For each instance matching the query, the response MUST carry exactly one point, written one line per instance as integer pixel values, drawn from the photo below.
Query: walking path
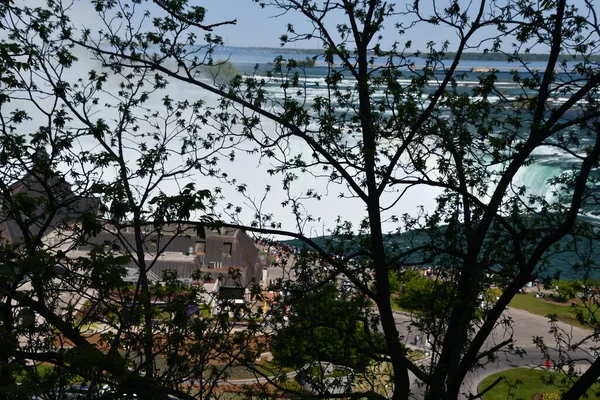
(526, 327)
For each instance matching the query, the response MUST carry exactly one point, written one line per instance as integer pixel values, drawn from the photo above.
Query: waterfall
(536, 179)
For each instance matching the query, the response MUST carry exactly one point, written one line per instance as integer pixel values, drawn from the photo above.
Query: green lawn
(528, 302)
(524, 383)
(242, 372)
(272, 368)
(42, 369)
(396, 306)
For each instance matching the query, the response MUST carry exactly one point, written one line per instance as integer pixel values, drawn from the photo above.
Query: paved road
(533, 359)
(526, 327)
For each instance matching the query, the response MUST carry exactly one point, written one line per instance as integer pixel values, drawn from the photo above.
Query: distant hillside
(524, 57)
(558, 263)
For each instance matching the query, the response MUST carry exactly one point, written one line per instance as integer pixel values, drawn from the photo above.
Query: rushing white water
(536, 179)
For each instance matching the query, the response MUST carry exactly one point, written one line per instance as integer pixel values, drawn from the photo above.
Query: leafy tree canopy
(142, 147)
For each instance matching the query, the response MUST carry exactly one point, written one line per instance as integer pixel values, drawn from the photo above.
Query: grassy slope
(564, 312)
(528, 302)
(523, 383)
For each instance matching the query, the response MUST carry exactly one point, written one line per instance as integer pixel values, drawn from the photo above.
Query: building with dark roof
(229, 256)
(50, 203)
(189, 256)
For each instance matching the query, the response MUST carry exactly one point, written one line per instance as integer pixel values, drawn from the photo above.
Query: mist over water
(548, 162)
(316, 215)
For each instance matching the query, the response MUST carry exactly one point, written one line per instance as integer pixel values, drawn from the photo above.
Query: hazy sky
(257, 27)
(262, 27)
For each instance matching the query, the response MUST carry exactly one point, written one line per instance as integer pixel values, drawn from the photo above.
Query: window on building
(227, 247)
(200, 247)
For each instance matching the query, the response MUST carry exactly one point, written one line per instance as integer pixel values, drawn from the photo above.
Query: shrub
(568, 289)
(220, 72)
(308, 62)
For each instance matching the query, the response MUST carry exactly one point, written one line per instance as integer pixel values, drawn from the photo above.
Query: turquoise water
(563, 265)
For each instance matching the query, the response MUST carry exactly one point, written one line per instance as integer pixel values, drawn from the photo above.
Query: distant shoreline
(459, 69)
(470, 56)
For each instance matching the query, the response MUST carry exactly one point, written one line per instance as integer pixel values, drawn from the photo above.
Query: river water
(549, 162)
